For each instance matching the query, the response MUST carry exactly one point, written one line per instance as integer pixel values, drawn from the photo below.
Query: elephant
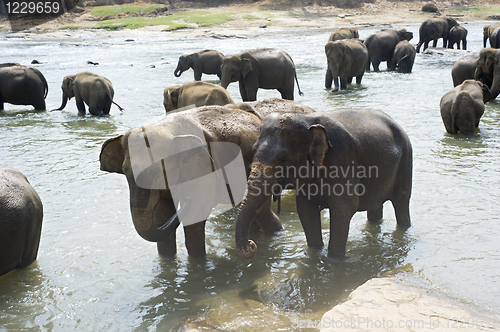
(91, 89)
(22, 85)
(202, 62)
(381, 46)
(265, 68)
(195, 93)
(346, 59)
(464, 69)
(153, 210)
(404, 56)
(21, 216)
(326, 158)
(488, 69)
(433, 29)
(458, 34)
(495, 38)
(487, 31)
(463, 106)
(344, 33)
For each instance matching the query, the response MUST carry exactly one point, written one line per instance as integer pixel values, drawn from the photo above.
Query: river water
(94, 273)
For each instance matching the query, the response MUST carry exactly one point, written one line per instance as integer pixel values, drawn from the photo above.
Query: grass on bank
(105, 11)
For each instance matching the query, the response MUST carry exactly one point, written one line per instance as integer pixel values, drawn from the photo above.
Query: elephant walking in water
(203, 62)
(433, 29)
(381, 46)
(195, 93)
(346, 59)
(404, 56)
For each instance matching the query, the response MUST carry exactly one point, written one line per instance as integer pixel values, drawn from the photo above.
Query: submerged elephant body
(154, 211)
(203, 62)
(381, 46)
(433, 29)
(21, 215)
(346, 59)
(330, 146)
(404, 56)
(22, 85)
(91, 89)
(195, 93)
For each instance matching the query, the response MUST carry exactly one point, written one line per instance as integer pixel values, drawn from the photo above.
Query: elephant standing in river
(153, 205)
(488, 69)
(344, 33)
(458, 34)
(464, 69)
(327, 159)
(264, 68)
(203, 62)
(462, 107)
(381, 46)
(346, 59)
(487, 31)
(21, 215)
(433, 29)
(91, 89)
(195, 93)
(22, 85)
(404, 56)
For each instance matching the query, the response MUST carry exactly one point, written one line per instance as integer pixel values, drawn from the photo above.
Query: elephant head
(170, 99)
(67, 88)
(451, 23)
(185, 62)
(403, 34)
(488, 69)
(233, 68)
(287, 143)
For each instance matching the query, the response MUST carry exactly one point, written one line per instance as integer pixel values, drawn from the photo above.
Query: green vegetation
(69, 27)
(105, 11)
(479, 10)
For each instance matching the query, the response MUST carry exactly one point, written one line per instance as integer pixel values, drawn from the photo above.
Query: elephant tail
(298, 87)
(119, 107)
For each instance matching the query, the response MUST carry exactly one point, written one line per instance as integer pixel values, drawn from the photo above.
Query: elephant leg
(195, 238)
(328, 79)
(343, 83)
(168, 246)
(267, 219)
(309, 215)
(376, 64)
(1, 103)
(435, 42)
(376, 215)
(96, 110)
(426, 45)
(349, 80)
(251, 94)
(340, 219)
(80, 105)
(359, 78)
(243, 91)
(391, 64)
(40, 105)
(197, 75)
(464, 44)
(402, 211)
(107, 105)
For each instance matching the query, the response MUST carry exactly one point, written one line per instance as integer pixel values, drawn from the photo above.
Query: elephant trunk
(178, 71)
(333, 68)
(254, 199)
(224, 82)
(64, 102)
(495, 85)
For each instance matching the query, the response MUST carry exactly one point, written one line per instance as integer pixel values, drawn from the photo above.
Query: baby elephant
(404, 56)
(91, 89)
(458, 34)
(195, 93)
(462, 107)
(21, 214)
(203, 62)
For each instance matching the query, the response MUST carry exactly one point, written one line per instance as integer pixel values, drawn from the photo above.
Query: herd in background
(476, 79)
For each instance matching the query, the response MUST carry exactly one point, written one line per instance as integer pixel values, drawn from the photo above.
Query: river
(94, 273)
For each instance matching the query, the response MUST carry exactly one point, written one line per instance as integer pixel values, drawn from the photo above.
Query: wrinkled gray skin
(195, 93)
(336, 140)
(203, 62)
(404, 56)
(495, 38)
(264, 68)
(433, 29)
(462, 107)
(458, 34)
(487, 31)
(381, 46)
(153, 211)
(21, 214)
(91, 89)
(344, 33)
(22, 85)
(346, 59)
(488, 69)
(464, 69)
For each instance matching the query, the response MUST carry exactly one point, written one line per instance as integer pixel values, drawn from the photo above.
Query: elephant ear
(319, 146)
(67, 86)
(112, 155)
(486, 92)
(246, 67)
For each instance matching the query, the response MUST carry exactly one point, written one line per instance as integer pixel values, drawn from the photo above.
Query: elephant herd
(339, 149)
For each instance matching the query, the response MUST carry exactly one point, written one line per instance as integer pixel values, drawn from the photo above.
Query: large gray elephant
(433, 29)
(487, 31)
(462, 107)
(327, 158)
(488, 69)
(202, 62)
(91, 89)
(346, 59)
(464, 69)
(265, 68)
(22, 85)
(344, 33)
(21, 215)
(381, 46)
(404, 56)
(495, 38)
(153, 209)
(195, 93)
(458, 34)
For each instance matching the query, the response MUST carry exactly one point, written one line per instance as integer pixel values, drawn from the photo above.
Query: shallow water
(95, 273)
